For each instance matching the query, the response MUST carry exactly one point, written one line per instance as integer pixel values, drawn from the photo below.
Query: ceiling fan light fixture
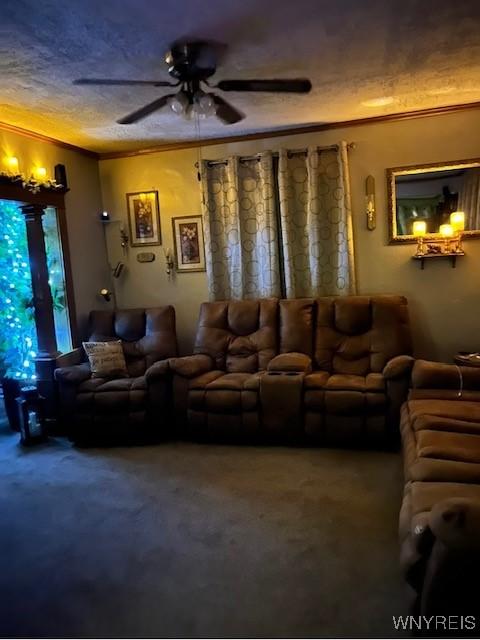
(203, 104)
(178, 103)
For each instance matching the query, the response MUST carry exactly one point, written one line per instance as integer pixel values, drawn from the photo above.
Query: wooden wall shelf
(430, 256)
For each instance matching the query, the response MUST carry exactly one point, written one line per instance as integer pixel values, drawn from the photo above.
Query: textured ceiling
(420, 54)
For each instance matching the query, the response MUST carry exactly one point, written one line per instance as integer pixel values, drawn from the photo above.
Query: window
(18, 336)
(56, 271)
(18, 339)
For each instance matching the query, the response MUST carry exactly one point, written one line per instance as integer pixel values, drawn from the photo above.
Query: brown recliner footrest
(281, 400)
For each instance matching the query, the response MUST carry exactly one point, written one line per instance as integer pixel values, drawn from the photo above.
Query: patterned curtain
(241, 233)
(316, 222)
(469, 199)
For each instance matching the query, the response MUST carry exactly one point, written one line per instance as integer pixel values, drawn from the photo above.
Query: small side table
(465, 359)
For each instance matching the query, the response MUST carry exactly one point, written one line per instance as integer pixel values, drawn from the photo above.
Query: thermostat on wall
(146, 256)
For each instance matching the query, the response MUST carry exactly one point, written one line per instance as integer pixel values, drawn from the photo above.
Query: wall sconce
(106, 219)
(370, 203)
(169, 261)
(106, 294)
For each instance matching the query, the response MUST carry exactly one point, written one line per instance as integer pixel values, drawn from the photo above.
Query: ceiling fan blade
(110, 81)
(225, 111)
(139, 114)
(296, 85)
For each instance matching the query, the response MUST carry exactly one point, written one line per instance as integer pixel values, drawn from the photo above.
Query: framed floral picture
(189, 243)
(144, 218)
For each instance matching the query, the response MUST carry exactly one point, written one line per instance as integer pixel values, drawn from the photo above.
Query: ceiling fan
(191, 64)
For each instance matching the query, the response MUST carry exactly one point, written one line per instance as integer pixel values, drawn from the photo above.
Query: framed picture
(144, 218)
(189, 243)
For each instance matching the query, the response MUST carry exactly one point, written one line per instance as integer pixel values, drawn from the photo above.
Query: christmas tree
(18, 341)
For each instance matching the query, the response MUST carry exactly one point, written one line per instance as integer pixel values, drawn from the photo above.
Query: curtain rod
(275, 154)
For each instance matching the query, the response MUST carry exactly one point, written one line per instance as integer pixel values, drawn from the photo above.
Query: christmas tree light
(18, 340)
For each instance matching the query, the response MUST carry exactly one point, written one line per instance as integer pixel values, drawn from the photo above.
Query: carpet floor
(189, 540)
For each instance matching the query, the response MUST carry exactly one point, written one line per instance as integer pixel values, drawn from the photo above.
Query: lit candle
(457, 220)
(40, 173)
(446, 230)
(12, 164)
(419, 228)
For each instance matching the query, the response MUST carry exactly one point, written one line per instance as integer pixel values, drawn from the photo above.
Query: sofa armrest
(191, 366)
(398, 367)
(70, 358)
(157, 370)
(456, 523)
(295, 362)
(73, 375)
(437, 375)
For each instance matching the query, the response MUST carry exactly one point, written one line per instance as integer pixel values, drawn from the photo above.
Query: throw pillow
(106, 359)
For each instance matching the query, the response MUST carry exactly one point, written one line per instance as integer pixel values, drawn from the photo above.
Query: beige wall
(445, 302)
(83, 204)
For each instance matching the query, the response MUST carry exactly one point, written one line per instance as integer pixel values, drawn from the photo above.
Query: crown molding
(272, 133)
(47, 139)
(276, 133)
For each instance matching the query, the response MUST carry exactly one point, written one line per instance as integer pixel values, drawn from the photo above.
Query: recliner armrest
(73, 375)
(437, 375)
(157, 370)
(456, 523)
(191, 366)
(398, 367)
(70, 358)
(291, 362)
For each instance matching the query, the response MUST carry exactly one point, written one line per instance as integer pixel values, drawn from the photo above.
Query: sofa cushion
(147, 335)
(454, 409)
(426, 453)
(358, 335)
(372, 382)
(231, 381)
(316, 380)
(200, 382)
(448, 446)
(439, 423)
(296, 326)
(102, 385)
(239, 335)
(424, 495)
(106, 359)
(220, 392)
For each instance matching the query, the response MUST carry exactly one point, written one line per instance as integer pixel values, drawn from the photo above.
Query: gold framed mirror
(431, 193)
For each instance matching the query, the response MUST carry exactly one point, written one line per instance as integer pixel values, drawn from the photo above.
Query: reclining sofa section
(332, 369)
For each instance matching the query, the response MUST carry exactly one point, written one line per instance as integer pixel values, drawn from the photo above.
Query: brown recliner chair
(360, 363)
(217, 389)
(332, 369)
(101, 409)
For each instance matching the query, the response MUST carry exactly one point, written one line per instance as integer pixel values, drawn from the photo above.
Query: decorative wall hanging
(145, 256)
(370, 203)
(144, 218)
(189, 243)
(38, 180)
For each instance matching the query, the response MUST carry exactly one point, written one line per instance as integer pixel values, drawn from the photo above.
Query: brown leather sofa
(440, 515)
(99, 409)
(330, 369)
